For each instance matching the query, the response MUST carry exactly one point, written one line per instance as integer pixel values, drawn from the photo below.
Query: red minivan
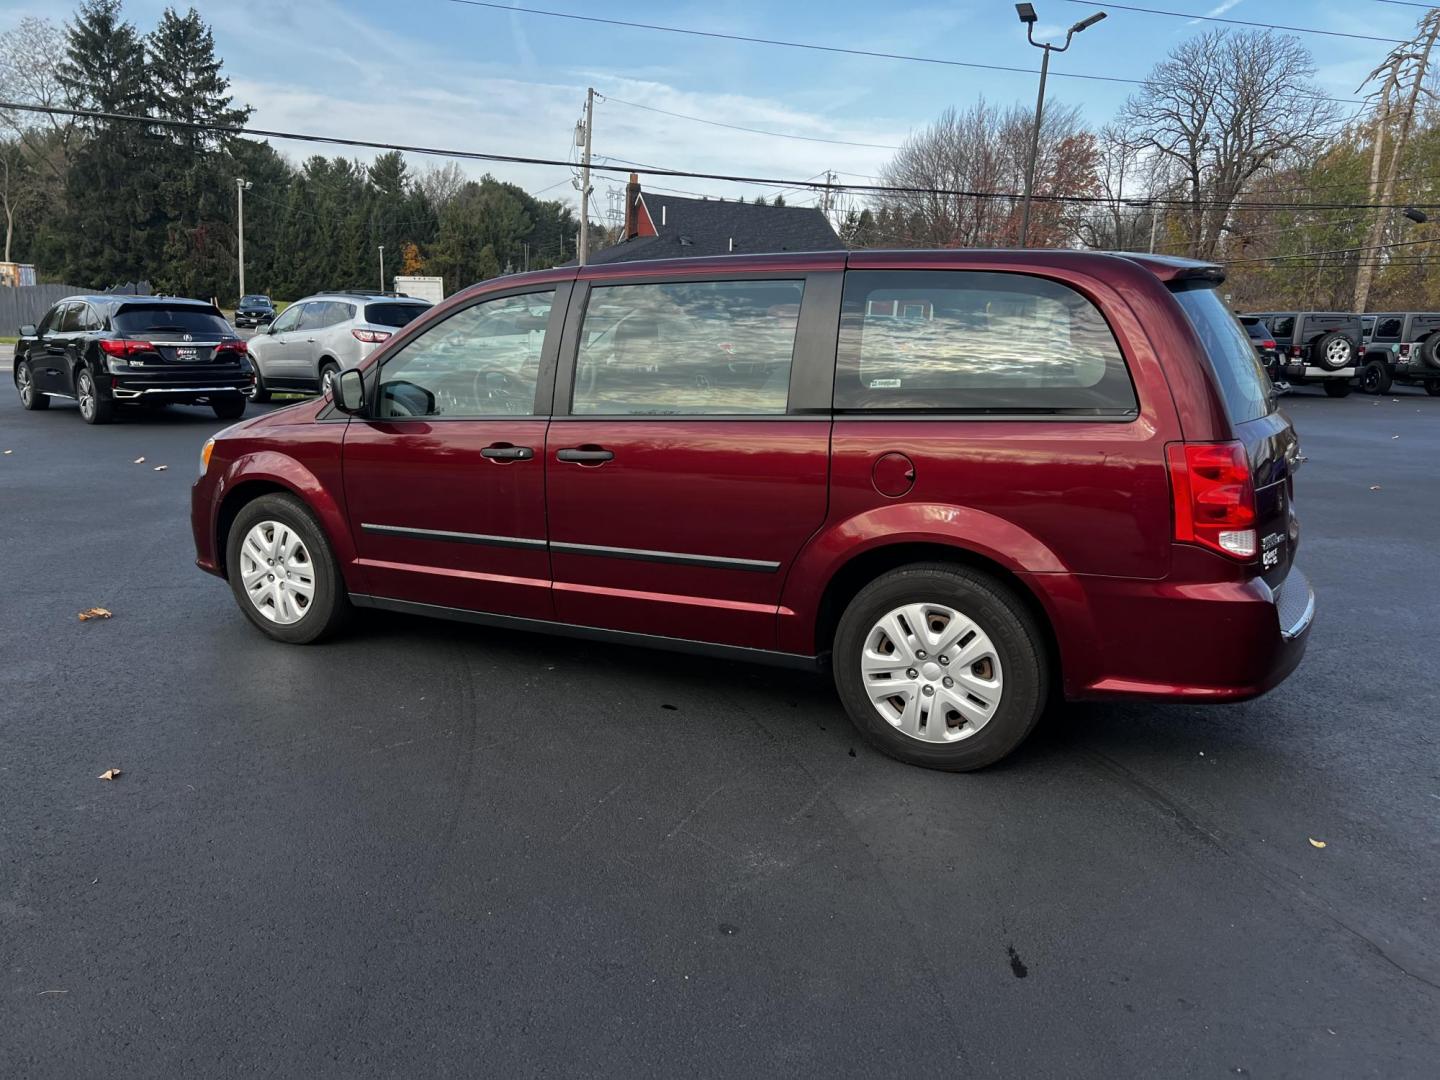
(963, 480)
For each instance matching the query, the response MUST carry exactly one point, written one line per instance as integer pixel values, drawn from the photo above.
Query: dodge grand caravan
(965, 481)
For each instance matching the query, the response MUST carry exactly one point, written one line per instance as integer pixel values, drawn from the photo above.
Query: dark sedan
(108, 351)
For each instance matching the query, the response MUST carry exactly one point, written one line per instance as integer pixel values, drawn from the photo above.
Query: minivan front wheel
(940, 666)
(282, 571)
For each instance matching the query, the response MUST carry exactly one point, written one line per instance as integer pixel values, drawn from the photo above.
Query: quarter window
(482, 361)
(1282, 326)
(687, 347)
(1388, 328)
(963, 341)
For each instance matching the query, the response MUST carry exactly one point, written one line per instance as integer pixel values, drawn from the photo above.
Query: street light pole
(241, 185)
(382, 268)
(1029, 18)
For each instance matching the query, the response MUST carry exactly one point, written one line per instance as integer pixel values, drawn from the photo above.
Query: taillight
(232, 345)
(1214, 497)
(371, 337)
(1297, 351)
(124, 347)
(1405, 349)
(1267, 344)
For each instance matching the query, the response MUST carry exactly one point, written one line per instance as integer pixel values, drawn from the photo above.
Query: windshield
(393, 314)
(1243, 382)
(254, 300)
(163, 318)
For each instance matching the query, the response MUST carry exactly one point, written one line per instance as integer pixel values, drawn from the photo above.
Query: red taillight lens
(1267, 344)
(1214, 497)
(1404, 349)
(371, 337)
(1296, 350)
(232, 345)
(122, 347)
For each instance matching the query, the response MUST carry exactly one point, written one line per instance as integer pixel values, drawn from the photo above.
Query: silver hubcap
(932, 673)
(1338, 352)
(86, 391)
(277, 573)
(22, 383)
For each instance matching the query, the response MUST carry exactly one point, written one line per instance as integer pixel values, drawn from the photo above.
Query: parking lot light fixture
(1029, 18)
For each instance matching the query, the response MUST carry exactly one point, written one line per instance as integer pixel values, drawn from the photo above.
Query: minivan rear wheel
(282, 571)
(940, 666)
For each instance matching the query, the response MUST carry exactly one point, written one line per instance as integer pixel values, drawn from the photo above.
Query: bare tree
(1402, 74)
(1123, 221)
(1224, 109)
(982, 150)
(441, 183)
(29, 55)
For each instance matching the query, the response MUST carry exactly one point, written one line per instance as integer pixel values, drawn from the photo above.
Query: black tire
(1328, 354)
(229, 408)
(94, 408)
(329, 369)
(259, 393)
(1430, 351)
(1432, 388)
(997, 612)
(1337, 388)
(329, 605)
(30, 398)
(1375, 377)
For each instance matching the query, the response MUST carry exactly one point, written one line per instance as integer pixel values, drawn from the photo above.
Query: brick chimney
(632, 204)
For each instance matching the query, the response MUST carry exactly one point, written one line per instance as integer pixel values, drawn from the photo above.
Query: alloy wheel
(1338, 353)
(277, 572)
(85, 391)
(932, 673)
(24, 384)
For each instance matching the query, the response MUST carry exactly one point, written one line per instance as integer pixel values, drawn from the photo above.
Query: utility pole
(241, 184)
(582, 137)
(1154, 220)
(1029, 18)
(382, 268)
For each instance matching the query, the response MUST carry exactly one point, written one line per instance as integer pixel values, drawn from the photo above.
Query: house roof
(688, 228)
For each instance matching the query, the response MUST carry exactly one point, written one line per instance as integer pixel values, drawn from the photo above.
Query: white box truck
(422, 288)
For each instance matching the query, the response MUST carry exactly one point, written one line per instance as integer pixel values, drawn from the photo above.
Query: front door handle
(506, 452)
(585, 455)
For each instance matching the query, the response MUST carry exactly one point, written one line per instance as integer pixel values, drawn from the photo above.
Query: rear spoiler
(1176, 272)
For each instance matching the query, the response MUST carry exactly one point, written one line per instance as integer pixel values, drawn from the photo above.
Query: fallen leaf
(1374, 487)
(9, 451)
(1317, 843)
(161, 468)
(95, 613)
(111, 774)
(140, 460)
(1394, 436)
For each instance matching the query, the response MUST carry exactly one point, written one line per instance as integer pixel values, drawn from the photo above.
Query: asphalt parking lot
(431, 849)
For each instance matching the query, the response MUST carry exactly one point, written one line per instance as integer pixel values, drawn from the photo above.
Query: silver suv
(313, 339)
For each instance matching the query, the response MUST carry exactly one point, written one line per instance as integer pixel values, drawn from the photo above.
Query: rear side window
(687, 347)
(1389, 327)
(396, 315)
(1243, 383)
(1283, 325)
(972, 342)
(144, 318)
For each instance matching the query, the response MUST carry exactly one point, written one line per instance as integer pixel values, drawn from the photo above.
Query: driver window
(481, 361)
(288, 319)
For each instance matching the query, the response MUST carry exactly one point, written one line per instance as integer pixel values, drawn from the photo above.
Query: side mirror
(350, 392)
(28, 330)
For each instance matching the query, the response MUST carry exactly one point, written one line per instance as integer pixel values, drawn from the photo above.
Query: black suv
(1266, 349)
(1401, 347)
(106, 351)
(1316, 347)
(254, 310)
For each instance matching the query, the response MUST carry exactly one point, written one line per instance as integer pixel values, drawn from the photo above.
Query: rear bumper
(1312, 371)
(187, 387)
(1182, 640)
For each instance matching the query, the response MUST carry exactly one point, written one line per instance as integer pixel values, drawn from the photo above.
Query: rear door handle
(585, 455)
(508, 453)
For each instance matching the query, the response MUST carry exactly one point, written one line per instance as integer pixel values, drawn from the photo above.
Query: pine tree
(195, 194)
(110, 205)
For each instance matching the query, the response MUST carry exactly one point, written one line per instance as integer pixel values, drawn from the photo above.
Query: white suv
(313, 339)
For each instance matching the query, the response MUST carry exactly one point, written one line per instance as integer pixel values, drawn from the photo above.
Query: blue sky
(439, 73)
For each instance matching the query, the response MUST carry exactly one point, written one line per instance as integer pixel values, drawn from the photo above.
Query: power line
(717, 35)
(1334, 251)
(752, 131)
(1238, 22)
(761, 181)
